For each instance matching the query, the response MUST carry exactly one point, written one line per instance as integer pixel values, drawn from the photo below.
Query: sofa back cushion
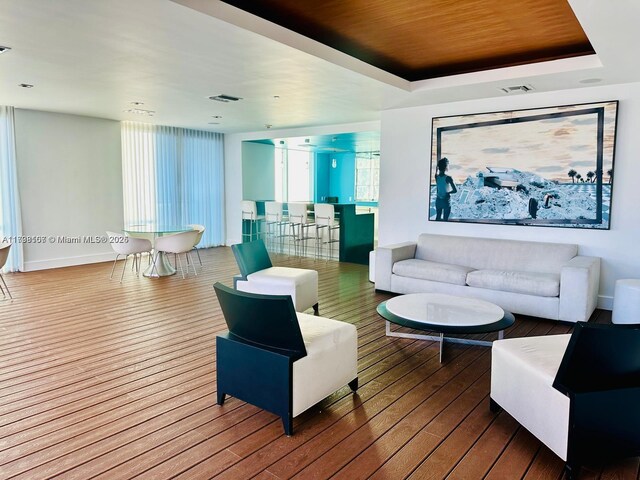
(495, 254)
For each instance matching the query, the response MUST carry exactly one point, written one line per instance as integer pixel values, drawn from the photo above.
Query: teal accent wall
(258, 171)
(342, 179)
(336, 182)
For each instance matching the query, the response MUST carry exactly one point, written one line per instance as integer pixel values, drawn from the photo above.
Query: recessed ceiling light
(25, 85)
(276, 97)
(591, 80)
(267, 125)
(137, 104)
(4, 49)
(216, 116)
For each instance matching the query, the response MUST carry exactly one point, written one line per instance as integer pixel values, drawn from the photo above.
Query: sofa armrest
(579, 286)
(386, 257)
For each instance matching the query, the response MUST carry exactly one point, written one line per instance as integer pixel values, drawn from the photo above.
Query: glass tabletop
(157, 229)
(445, 313)
(441, 309)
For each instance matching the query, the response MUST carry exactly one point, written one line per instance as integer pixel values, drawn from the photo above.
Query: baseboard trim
(68, 261)
(605, 302)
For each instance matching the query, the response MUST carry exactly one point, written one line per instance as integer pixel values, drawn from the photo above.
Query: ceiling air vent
(517, 89)
(224, 98)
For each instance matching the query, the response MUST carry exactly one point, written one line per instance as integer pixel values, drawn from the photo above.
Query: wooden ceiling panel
(431, 38)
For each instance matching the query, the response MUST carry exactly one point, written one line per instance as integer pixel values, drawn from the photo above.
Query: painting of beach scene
(545, 167)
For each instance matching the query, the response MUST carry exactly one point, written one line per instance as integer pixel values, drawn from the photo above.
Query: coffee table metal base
(440, 338)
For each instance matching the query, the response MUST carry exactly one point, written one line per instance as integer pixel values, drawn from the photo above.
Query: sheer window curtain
(174, 176)
(10, 220)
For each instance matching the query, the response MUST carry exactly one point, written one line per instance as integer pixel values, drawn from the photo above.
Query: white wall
(233, 165)
(404, 180)
(258, 158)
(70, 180)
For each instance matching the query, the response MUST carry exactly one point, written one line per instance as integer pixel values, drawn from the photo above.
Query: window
(298, 176)
(173, 176)
(10, 224)
(367, 176)
(293, 175)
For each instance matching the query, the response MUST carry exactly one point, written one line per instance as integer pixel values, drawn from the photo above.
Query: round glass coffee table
(437, 312)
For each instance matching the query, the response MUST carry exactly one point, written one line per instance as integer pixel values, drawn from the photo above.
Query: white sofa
(547, 280)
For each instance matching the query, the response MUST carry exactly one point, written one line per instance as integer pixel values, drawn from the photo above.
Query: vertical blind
(173, 176)
(10, 220)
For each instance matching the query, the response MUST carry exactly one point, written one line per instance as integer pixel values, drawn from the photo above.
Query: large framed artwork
(544, 166)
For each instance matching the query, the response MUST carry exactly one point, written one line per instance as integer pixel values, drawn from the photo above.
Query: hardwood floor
(106, 380)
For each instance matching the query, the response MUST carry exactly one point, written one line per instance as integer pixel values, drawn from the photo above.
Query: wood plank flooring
(101, 379)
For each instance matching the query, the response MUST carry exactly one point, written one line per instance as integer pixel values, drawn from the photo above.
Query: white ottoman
(626, 301)
(300, 283)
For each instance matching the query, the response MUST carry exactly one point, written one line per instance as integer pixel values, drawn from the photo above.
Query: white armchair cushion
(331, 361)
(529, 283)
(300, 283)
(522, 375)
(438, 272)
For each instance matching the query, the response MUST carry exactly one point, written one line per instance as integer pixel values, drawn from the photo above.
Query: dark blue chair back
(265, 321)
(600, 357)
(251, 257)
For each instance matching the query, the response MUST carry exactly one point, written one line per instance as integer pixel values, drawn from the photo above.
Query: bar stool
(250, 214)
(325, 222)
(299, 227)
(273, 222)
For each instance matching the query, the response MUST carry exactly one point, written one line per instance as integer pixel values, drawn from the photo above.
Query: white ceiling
(94, 57)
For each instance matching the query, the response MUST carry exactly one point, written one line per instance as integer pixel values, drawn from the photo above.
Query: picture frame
(549, 166)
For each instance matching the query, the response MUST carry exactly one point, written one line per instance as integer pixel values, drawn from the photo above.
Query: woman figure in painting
(444, 188)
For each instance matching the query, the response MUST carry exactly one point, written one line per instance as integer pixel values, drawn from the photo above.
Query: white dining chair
(177, 244)
(4, 254)
(125, 245)
(200, 229)
(325, 218)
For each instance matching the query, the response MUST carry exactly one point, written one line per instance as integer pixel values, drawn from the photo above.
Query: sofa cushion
(529, 283)
(495, 254)
(437, 272)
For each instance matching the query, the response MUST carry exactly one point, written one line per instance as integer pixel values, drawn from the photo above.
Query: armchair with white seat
(578, 394)
(279, 360)
(258, 275)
